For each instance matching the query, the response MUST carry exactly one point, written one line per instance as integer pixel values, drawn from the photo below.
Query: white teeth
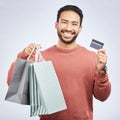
(67, 34)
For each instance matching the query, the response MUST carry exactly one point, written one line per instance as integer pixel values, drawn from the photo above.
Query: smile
(67, 34)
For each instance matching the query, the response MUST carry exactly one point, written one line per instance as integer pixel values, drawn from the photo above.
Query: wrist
(23, 55)
(103, 71)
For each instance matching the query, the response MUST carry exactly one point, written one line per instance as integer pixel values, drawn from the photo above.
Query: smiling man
(68, 27)
(80, 71)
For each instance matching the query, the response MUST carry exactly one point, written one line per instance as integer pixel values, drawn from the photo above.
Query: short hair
(70, 8)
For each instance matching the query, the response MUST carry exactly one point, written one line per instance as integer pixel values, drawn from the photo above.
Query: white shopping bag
(46, 95)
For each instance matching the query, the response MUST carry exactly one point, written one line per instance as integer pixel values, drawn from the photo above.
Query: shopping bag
(18, 91)
(46, 95)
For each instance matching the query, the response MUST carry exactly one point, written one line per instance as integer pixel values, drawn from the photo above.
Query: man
(80, 72)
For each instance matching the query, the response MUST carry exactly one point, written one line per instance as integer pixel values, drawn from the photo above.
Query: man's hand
(101, 61)
(30, 50)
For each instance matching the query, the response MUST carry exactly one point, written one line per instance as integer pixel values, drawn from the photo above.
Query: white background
(26, 21)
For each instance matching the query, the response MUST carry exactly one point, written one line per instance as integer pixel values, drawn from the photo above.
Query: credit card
(96, 44)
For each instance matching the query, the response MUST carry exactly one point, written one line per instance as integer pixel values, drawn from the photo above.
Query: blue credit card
(96, 44)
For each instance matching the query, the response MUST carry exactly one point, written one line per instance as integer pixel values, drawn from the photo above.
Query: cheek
(77, 30)
(59, 29)
(62, 25)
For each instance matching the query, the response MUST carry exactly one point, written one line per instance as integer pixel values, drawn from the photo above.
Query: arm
(102, 86)
(24, 55)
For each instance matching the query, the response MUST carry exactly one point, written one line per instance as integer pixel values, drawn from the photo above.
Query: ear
(56, 24)
(80, 29)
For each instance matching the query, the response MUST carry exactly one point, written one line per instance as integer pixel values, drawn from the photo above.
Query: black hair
(70, 8)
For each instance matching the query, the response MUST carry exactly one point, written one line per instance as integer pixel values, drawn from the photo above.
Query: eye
(75, 24)
(64, 22)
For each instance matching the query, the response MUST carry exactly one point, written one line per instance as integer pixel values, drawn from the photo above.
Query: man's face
(68, 26)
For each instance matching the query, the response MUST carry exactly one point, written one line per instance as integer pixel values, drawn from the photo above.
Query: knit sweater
(76, 71)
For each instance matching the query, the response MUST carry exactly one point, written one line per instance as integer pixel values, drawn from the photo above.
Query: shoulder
(86, 51)
(49, 50)
(87, 55)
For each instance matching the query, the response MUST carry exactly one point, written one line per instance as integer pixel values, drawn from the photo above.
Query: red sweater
(76, 71)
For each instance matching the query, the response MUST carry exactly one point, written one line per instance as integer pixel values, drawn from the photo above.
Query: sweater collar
(66, 50)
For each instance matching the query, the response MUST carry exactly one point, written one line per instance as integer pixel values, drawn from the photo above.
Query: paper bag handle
(38, 55)
(31, 52)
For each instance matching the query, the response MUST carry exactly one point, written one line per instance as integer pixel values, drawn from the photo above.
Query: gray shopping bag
(46, 95)
(18, 90)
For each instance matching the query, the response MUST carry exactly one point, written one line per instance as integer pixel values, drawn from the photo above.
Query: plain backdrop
(26, 21)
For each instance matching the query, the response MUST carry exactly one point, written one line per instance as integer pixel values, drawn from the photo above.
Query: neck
(62, 45)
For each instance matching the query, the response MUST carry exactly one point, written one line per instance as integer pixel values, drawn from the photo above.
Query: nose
(69, 27)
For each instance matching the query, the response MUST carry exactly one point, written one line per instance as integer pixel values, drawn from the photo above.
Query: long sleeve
(102, 87)
(10, 73)
(11, 69)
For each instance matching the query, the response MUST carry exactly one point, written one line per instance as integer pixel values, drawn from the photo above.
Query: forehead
(70, 16)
